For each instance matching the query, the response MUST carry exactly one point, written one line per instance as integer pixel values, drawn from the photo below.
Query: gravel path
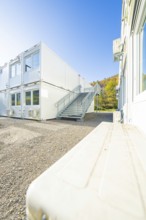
(27, 148)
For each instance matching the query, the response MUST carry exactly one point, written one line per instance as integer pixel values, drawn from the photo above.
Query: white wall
(132, 99)
(3, 103)
(55, 71)
(49, 96)
(139, 111)
(91, 107)
(32, 76)
(15, 81)
(4, 77)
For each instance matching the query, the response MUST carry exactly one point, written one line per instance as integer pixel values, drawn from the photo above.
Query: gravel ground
(27, 148)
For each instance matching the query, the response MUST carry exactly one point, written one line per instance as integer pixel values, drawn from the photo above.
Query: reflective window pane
(28, 98)
(35, 60)
(18, 68)
(36, 97)
(12, 71)
(18, 99)
(144, 59)
(13, 99)
(28, 64)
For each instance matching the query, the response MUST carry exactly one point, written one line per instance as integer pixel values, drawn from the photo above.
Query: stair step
(75, 109)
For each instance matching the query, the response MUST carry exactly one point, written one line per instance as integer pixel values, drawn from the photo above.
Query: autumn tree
(107, 98)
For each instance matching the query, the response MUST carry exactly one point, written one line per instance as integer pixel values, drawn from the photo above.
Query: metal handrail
(93, 91)
(90, 89)
(66, 100)
(87, 100)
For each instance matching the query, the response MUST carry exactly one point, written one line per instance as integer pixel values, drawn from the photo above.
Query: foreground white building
(130, 50)
(37, 84)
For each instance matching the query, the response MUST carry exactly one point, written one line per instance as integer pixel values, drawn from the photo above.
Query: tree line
(107, 98)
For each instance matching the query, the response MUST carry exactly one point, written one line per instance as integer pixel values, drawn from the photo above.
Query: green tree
(107, 98)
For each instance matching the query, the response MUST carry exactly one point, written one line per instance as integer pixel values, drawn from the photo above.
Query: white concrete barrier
(97, 179)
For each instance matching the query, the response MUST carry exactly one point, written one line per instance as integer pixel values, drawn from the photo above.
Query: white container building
(130, 51)
(37, 84)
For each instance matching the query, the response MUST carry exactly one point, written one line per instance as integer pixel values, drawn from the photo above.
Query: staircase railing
(87, 100)
(66, 100)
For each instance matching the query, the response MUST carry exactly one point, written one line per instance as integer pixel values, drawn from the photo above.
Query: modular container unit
(15, 72)
(33, 82)
(15, 103)
(132, 66)
(32, 102)
(4, 96)
(31, 65)
(4, 78)
(4, 82)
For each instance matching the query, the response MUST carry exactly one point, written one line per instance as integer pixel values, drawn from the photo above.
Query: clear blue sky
(79, 31)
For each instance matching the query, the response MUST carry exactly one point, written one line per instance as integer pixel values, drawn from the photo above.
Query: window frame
(15, 65)
(13, 94)
(38, 96)
(31, 56)
(29, 91)
(141, 57)
(15, 99)
(16, 94)
(25, 65)
(32, 97)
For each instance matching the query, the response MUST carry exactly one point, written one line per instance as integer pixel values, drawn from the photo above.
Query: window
(12, 71)
(18, 69)
(36, 97)
(32, 61)
(144, 59)
(32, 97)
(13, 99)
(18, 99)
(28, 98)
(28, 63)
(15, 69)
(35, 60)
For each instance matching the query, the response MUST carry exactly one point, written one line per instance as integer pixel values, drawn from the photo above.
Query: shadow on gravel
(90, 119)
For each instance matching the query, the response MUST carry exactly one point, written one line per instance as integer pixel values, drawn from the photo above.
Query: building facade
(130, 51)
(33, 82)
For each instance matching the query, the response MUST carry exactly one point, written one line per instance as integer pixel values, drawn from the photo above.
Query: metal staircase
(77, 106)
(74, 110)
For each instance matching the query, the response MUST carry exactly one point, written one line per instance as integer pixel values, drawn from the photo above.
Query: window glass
(18, 99)
(28, 64)
(144, 59)
(12, 74)
(18, 69)
(13, 99)
(28, 98)
(35, 60)
(36, 97)
(32, 62)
